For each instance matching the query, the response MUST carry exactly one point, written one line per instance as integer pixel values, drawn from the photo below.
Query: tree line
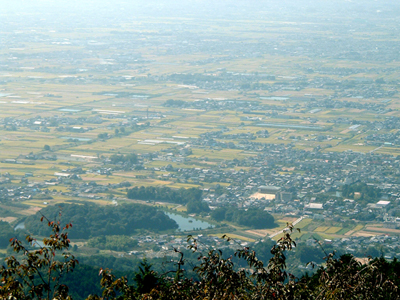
(252, 217)
(368, 193)
(179, 196)
(120, 158)
(6, 232)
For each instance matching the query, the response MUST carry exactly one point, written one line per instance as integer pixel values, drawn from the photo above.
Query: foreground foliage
(39, 273)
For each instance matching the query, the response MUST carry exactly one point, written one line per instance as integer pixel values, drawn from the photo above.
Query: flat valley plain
(76, 90)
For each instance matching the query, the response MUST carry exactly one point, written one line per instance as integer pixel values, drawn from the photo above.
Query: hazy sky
(76, 14)
(199, 8)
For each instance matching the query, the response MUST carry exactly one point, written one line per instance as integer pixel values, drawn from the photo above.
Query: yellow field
(358, 227)
(321, 229)
(333, 229)
(303, 223)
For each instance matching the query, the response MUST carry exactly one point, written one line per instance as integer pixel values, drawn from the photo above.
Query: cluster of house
(361, 246)
(10, 192)
(63, 123)
(306, 178)
(309, 182)
(357, 87)
(331, 103)
(159, 246)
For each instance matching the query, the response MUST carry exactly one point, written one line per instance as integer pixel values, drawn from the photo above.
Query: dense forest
(181, 196)
(197, 206)
(6, 232)
(254, 218)
(91, 220)
(129, 159)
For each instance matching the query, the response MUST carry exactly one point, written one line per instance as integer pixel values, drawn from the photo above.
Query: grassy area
(333, 230)
(304, 223)
(238, 236)
(358, 227)
(343, 231)
(321, 229)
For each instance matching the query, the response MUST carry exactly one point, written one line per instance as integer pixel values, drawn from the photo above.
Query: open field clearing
(358, 227)
(239, 237)
(182, 185)
(304, 223)
(363, 233)
(382, 230)
(333, 230)
(321, 229)
(32, 210)
(8, 219)
(261, 233)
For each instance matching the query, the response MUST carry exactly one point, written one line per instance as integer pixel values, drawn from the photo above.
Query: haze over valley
(146, 121)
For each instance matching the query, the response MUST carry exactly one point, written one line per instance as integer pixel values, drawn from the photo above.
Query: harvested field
(382, 229)
(8, 219)
(238, 237)
(333, 230)
(262, 232)
(31, 211)
(364, 233)
(321, 229)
